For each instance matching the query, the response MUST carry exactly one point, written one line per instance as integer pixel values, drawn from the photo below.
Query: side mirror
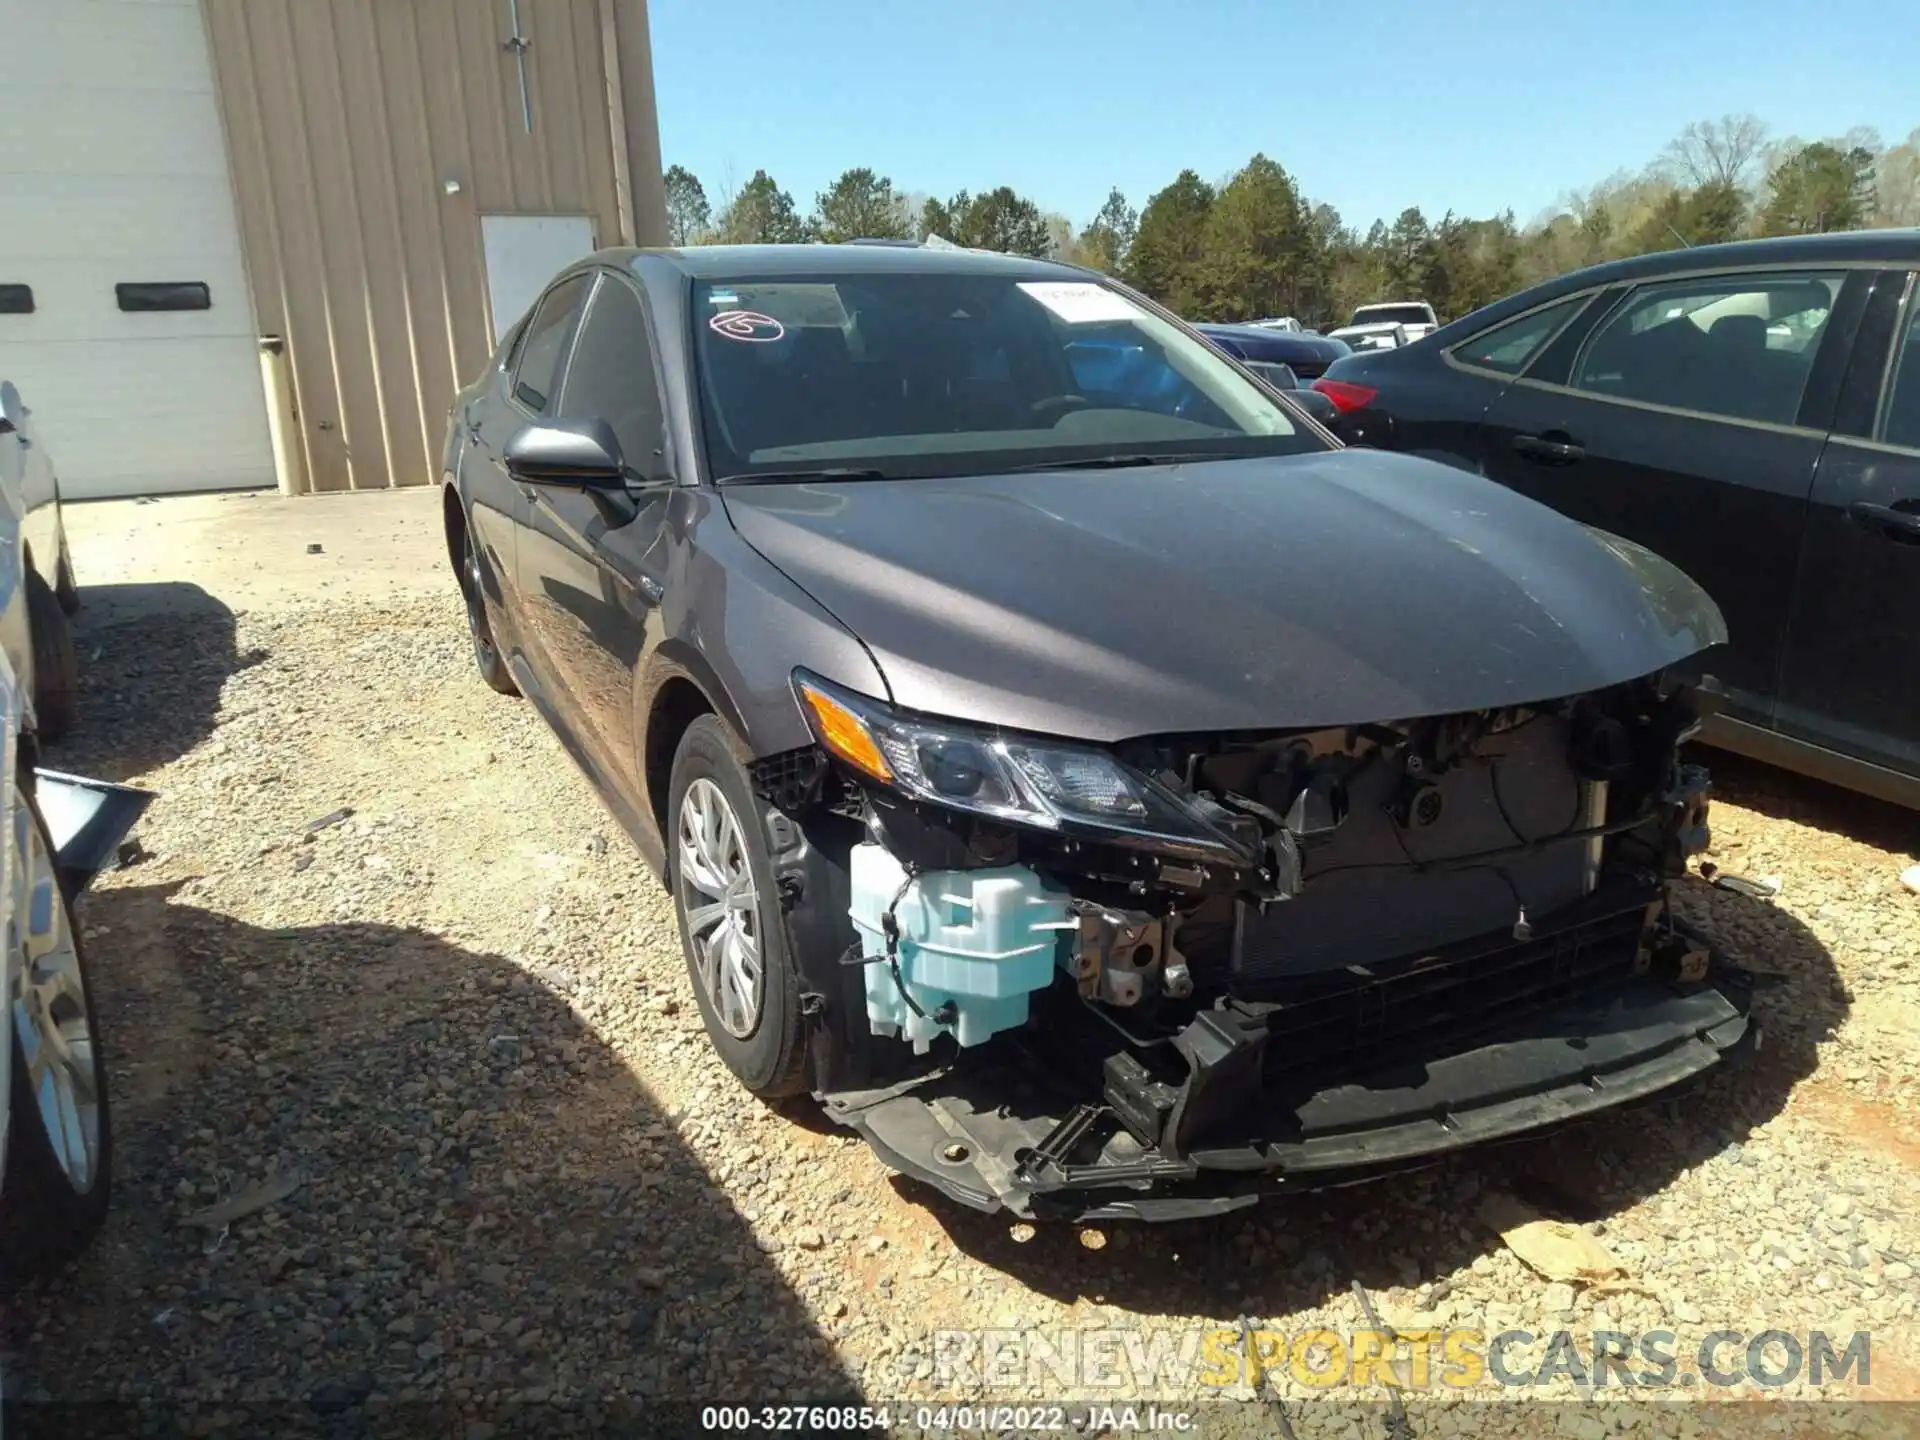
(577, 454)
(1276, 374)
(13, 410)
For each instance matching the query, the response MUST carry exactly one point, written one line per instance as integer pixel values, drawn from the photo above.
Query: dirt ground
(451, 1029)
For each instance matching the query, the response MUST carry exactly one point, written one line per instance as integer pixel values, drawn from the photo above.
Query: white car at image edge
(56, 832)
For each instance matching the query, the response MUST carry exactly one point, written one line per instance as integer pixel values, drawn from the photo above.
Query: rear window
(1741, 346)
(1391, 315)
(925, 373)
(1901, 423)
(1509, 348)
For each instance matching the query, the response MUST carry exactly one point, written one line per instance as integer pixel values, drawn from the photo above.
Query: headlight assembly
(1022, 780)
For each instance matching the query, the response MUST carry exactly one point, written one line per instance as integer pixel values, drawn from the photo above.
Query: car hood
(1334, 588)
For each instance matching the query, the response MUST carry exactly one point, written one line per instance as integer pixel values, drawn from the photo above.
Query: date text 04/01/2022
(997, 1419)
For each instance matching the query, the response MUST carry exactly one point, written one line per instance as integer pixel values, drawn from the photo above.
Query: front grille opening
(1332, 1024)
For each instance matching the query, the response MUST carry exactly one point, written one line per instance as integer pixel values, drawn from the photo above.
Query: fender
(675, 659)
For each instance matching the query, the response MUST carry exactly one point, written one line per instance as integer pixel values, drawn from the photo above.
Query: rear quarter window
(1511, 346)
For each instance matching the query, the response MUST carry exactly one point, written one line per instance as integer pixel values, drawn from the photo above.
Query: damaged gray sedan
(1096, 786)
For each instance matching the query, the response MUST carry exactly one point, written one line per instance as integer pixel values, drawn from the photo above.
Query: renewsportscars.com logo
(1453, 1359)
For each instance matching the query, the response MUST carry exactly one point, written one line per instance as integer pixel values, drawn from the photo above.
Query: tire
(56, 668)
(65, 588)
(766, 1049)
(473, 589)
(47, 1212)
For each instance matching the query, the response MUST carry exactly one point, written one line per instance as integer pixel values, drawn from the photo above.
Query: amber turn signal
(845, 734)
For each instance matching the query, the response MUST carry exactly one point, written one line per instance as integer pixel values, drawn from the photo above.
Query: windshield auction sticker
(748, 325)
(1079, 303)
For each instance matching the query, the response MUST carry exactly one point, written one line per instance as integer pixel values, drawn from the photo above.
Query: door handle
(1545, 450)
(1887, 520)
(652, 589)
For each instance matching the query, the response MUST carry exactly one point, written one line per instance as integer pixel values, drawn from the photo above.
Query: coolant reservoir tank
(973, 945)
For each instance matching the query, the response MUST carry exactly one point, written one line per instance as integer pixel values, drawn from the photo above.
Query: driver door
(520, 393)
(593, 568)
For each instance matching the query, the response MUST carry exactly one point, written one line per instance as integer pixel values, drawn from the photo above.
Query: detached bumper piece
(1242, 1104)
(86, 821)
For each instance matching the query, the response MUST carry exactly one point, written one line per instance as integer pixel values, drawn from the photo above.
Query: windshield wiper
(1113, 462)
(787, 477)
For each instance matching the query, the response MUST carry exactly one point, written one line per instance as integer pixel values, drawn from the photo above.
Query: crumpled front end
(1174, 975)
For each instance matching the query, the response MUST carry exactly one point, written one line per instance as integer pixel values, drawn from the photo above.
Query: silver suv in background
(1381, 336)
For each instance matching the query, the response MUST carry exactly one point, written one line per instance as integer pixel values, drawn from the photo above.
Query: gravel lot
(459, 1018)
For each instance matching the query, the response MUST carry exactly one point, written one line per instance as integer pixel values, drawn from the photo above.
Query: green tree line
(1253, 244)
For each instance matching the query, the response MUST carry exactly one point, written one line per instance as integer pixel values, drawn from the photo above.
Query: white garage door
(113, 171)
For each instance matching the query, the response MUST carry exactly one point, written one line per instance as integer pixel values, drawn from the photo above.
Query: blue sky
(1480, 106)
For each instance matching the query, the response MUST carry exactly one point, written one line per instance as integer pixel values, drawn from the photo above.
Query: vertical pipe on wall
(518, 47)
(643, 132)
(617, 117)
(287, 469)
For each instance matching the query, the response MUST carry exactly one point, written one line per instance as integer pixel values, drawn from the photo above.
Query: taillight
(1345, 395)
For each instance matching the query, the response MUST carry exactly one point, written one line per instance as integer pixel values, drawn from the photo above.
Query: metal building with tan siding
(264, 241)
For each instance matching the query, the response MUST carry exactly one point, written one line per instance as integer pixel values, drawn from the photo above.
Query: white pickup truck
(1416, 317)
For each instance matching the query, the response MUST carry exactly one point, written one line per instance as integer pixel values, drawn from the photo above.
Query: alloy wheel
(49, 1008)
(720, 908)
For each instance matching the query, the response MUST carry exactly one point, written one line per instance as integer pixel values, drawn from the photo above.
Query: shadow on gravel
(1296, 1252)
(494, 1215)
(1782, 795)
(153, 659)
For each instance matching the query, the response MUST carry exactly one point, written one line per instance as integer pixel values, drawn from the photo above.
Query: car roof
(1850, 247)
(765, 262)
(1893, 245)
(1249, 332)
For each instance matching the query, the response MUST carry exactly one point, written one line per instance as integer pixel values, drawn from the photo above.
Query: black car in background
(1308, 356)
(1751, 412)
(1253, 347)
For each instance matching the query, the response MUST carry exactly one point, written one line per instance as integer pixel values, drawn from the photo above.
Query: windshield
(927, 374)
(1391, 315)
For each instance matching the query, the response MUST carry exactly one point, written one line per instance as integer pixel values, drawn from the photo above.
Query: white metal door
(524, 253)
(113, 169)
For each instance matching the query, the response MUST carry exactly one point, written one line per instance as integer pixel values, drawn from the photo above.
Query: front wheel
(719, 865)
(59, 1164)
(486, 651)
